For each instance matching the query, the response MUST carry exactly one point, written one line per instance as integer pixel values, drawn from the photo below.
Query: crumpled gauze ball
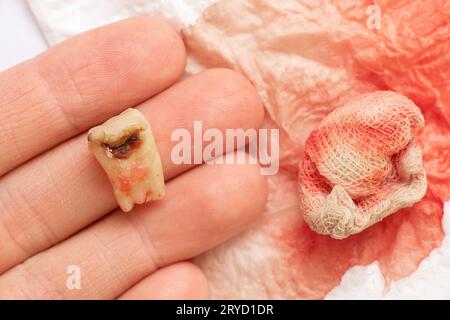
(362, 164)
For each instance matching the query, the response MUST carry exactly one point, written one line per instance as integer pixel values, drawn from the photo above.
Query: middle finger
(64, 190)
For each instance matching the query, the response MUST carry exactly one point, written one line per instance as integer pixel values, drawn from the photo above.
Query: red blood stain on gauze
(399, 243)
(307, 57)
(362, 164)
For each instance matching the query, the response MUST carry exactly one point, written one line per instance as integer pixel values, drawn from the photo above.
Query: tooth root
(126, 204)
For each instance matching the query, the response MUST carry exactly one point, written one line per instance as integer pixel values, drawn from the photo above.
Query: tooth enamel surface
(125, 148)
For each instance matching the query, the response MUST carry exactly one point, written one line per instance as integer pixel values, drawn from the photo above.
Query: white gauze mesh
(362, 164)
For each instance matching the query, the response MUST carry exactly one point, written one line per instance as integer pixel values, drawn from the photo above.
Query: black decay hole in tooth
(123, 151)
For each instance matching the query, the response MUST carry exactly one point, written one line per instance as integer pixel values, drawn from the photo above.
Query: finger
(202, 208)
(51, 197)
(180, 281)
(83, 81)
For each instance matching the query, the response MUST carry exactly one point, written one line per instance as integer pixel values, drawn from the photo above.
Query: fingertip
(180, 281)
(239, 184)
(197, 286)
(124, 63)
(244, 180)
(247, 104)
(171, 50)
(152, 52)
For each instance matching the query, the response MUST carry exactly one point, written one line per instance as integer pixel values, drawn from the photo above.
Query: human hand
(57, 208)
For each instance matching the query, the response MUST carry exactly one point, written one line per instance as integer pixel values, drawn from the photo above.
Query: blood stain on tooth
(125, 184)
(139, 173)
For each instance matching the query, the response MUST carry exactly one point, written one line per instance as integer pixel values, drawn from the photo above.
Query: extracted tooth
(125, 148)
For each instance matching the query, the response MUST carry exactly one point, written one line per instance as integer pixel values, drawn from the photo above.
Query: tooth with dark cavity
(125, 148)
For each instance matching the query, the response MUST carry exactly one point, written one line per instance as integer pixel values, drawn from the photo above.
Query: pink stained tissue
(307, 58)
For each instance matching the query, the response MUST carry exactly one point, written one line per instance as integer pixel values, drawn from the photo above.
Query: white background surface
(20, 37)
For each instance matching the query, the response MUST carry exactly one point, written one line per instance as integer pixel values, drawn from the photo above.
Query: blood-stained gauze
(306, 58)
(125, 148)
(362, 164)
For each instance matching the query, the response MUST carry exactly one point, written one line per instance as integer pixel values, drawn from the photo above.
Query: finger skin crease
(114, 269)
(45, 229)
(9, 235)
(23, 96)
(152, 254)
(7, 227)
(75, 94)
(36, 284)
(32, 216)
(8, 127)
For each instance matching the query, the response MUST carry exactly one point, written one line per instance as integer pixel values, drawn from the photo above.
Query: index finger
(82, 82)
